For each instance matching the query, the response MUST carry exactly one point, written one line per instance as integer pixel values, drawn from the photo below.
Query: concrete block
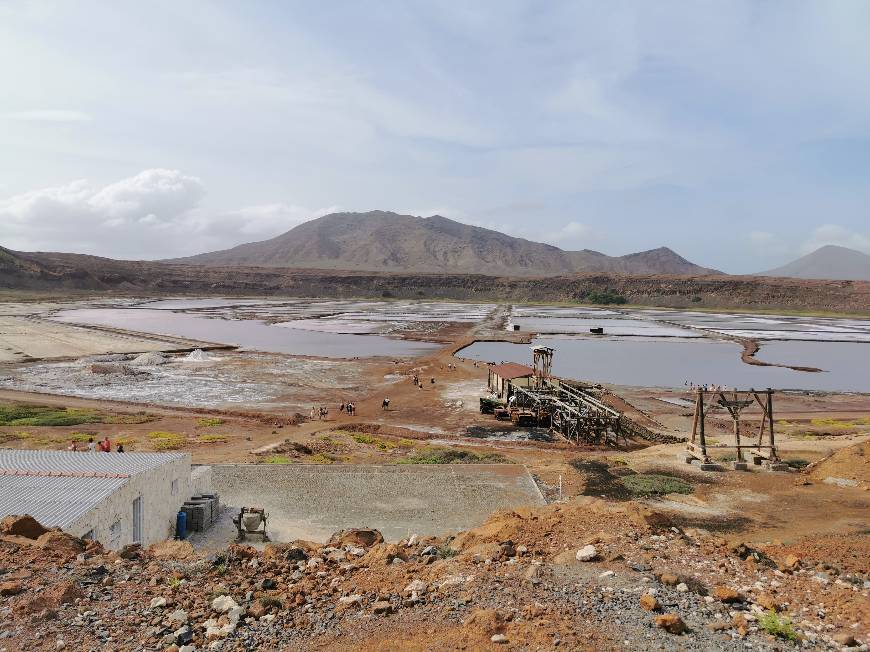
(739, 466)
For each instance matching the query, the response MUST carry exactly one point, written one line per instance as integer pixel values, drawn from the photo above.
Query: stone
(586, 553)
(791, 563)
(357, 537)
(669, 579)
(726, 594)
(649, 602)
(223, 604)
(178, 616)
(671, 623)
(845, 639)
(416, 586)
(682, 587)
(268, 584)
(258, 610)
(499, 638)
(767, 601)
(157, 603)
(354, 599)
(606, 574)
(10, 588)
(187, 648)
(718, 626)
(382, 607)
(22, 526)
(61, 543)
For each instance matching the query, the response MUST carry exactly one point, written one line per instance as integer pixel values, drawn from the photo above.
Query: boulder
(61, 543)
(382, 607)
(671, 623)
(10, 588)
(726, 594)
(356, 537)
(586, 553)
(22, 526)
(649, 602)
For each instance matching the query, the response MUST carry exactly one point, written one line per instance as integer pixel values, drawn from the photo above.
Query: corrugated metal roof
(54, 501)
(82, 464)
(511, 370)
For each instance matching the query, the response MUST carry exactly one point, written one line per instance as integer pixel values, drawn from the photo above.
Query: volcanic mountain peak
(383, 241)
(829, 262)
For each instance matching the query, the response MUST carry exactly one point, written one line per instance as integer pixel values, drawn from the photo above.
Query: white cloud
(154, 214)
(834, 234)
(766, 243)
(48, 115)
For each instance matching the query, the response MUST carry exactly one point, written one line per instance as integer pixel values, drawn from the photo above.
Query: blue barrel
(181, 525)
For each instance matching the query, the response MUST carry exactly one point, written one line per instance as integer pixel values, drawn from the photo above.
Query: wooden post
(773, 455)
(701, 422)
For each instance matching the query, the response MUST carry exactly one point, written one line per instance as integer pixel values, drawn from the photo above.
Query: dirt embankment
(51, 272)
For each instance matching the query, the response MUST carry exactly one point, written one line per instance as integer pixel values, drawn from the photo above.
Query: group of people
(105, 446)
(322, 412)
(707, 387)
(419, 383)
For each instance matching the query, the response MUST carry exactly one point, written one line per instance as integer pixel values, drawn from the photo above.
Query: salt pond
(251, 334)
(670, 362)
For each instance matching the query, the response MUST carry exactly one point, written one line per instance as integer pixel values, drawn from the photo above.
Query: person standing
(92, 447)
(120, 448)
(73, 446)
(106, 445)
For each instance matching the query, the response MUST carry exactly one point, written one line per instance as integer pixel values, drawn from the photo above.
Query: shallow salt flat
(816, 336)
(610, 325)
(237, 379)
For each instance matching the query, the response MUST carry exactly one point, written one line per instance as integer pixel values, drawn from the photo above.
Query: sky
(736, 133)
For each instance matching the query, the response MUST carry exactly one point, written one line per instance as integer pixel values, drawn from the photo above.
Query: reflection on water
(652, 362)
(249, 334)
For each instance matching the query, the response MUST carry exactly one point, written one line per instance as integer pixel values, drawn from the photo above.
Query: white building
(115, 498)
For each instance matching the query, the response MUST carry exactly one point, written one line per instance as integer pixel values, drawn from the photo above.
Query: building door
(137, 520)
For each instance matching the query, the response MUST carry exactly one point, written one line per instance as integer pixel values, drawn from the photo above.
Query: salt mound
(150, 359)
(198, 355)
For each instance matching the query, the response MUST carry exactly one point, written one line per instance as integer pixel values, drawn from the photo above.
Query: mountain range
(381, 241)
(829, 262)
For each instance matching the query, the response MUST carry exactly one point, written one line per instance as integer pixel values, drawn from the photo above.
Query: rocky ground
(583, 574)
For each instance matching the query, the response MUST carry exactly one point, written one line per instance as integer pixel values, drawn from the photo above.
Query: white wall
(159, 507)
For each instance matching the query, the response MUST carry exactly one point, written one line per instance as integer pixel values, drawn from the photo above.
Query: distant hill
(381, 241)
(829, 262)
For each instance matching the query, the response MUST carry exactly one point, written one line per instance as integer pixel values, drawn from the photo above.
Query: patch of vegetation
(775, 625)
(14, 436)
(129, 419)
(797, 463)
(276, 459)
(653, 484)
(445, 552)
(209, 422)
(362, 438)
(212, 438)
(451, 456)
(605, 297)
(407, 443)
(166, 441)
(322, 458)
(270, 602)
(44, 415)
(81, 436)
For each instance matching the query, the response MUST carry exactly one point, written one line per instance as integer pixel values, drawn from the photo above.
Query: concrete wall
(159, 506)
(200, 480)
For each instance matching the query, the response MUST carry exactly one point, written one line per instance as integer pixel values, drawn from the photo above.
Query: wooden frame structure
(734, 401)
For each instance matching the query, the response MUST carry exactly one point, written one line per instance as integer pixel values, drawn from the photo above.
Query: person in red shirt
(106, 445)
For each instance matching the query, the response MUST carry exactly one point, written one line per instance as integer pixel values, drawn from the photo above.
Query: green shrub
(276, 459)
(166, 441)
(322, 458)
(775, 625)
(207, 422)
(44, 415)
(797, 463)
(652, 484)
(361, 438)
(451, 456)
(605, 297)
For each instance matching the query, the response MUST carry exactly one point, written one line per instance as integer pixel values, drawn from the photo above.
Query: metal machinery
(734, 402)
(567, 409)
(250, 521)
